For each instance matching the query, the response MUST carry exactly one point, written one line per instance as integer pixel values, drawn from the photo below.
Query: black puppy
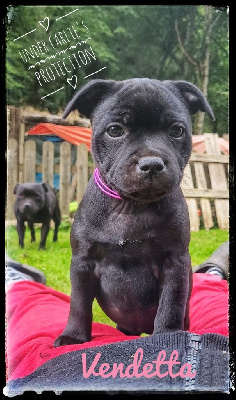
(131, 232)
(36, 202)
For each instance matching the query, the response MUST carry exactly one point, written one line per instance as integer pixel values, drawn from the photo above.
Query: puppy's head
(141, 132)
(30, 197)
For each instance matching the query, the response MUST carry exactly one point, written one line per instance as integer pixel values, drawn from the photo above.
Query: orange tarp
(72, 134)
(199, 144)
(78, 134)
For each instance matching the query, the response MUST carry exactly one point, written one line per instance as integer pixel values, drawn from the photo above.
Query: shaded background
(161, 42)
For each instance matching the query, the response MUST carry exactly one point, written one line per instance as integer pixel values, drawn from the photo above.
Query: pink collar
(103, 187)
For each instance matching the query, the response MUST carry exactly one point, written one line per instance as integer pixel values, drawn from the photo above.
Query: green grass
(54, 262)
(203, 243)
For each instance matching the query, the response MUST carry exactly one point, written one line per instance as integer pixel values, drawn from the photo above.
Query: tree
(202, 64)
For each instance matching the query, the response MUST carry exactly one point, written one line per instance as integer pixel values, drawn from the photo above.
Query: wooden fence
(205, 182)
(205, 187)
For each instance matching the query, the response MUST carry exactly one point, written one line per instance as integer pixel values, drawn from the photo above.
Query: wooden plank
(21, 153)
(73, 187)
(8, 122)
(48, 162)
(12, 130)
(30, 161)
(18, 121)
(65, 174)
(218, 181)
(82, 171)
(33, 119)
(205, 203)
(206, 193)
(12, 176)
(56, 169)
(213, 158)
(187, 183)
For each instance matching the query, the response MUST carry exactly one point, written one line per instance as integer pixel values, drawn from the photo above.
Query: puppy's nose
(151, 165)
(27, 206)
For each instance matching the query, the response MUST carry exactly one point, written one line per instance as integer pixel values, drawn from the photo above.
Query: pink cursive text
(148, 370)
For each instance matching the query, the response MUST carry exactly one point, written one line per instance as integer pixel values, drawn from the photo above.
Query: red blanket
(37, 314)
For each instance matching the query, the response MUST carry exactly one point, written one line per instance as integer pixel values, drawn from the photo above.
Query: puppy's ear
(86, 99)
(193, 96)
(16, 187)
(45, 186)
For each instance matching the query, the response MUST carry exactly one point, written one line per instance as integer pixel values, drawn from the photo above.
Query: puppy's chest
(130, 228)
(127, 258)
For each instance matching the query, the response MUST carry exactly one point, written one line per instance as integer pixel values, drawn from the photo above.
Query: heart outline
(42, 23)
(71, 84)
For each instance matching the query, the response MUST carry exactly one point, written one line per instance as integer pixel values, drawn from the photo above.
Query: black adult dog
(36, 202)
(131, 232)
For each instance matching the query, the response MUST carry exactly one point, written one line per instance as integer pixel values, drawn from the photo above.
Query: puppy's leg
(44, 234)
(172, 313)
(21, 231)
(57, 219)
(186, 318)
(31, 226)
(83, 286)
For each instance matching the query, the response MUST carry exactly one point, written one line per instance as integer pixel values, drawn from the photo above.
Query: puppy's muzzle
(150, 166)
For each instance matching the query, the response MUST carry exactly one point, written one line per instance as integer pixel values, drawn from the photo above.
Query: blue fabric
(56, 179)
(54, 138)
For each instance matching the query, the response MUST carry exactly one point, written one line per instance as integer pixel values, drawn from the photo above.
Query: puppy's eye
(176, 131)
(115, 131)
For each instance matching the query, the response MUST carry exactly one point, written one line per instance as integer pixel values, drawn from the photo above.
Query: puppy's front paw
(64, 340)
